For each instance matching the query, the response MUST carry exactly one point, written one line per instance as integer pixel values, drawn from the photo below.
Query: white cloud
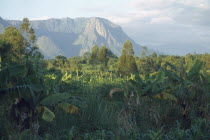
(166, 11)
(162, 20)
(40, 18)
(174, 26)
(196, 3)
(151, 4)
(134, 16)
(119, 20)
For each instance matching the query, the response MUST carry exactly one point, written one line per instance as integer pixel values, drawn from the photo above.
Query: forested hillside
(100, 95)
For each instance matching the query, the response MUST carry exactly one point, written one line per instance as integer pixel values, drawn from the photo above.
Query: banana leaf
(13, 71)
(47, 114)
(55, 98)
(195, 69)
(68, 108)
(160, 77)
(166, 96)
(171, 66)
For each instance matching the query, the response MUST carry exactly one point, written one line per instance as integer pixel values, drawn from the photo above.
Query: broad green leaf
(195, 69)
(66, 76)
(171, 66)
(160, 77)
(187, 82)
(172, 75)
(47, 115)
(166, 96)
(18, 71)
(37, 87)
(12, 71)
(68, 108)
(55, 98)
(138, 79)
(16, 91)
(4, 77)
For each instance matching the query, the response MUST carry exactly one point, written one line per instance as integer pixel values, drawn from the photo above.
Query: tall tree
(154, 55)
(20, 45)
(61, 60)
(25, 25)
(30, 39)
(144, 51)
(5, 49)
(14, 37)
(128, 48)
(103, 55)
(94, 55)
(127, 63)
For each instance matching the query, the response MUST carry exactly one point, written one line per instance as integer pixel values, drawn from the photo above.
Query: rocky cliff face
(102, 32)
(73, 37)
(3, 24)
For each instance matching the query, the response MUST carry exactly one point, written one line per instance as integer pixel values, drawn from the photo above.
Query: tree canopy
(94, 55)
(127, 63)
(103, 55)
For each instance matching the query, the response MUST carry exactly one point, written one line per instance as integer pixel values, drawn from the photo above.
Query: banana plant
(151, 86)
(185, 79)
(52, 82)
(31, 100)
(190, 87)
(181, 81)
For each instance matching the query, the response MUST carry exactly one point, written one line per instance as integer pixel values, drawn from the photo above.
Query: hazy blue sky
(17, 9)
(122, 11)
(182, 24)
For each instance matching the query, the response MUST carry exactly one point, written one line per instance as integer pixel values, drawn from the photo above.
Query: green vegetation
(100, 96)
(127, 64)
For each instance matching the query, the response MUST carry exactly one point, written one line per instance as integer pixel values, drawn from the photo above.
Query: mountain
(3, 24)
(74, 37)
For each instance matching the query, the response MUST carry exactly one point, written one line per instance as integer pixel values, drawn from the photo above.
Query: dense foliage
(100, 96)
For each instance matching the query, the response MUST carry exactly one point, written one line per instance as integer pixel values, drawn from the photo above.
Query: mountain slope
(73, 37)
(3, 24)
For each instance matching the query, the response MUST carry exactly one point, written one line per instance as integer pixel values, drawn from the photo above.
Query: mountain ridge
(73, 37)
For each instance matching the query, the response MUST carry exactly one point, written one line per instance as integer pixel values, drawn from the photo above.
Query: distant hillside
(73, 37)
(3, 24)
